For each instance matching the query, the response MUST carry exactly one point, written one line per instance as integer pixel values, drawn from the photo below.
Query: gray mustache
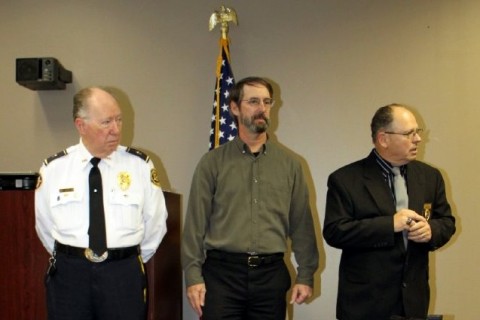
(260, 116)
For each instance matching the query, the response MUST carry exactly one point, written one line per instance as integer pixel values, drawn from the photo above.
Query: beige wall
(333, 62)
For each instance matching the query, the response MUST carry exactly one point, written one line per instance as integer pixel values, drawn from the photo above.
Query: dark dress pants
(83, 290)
(238, 292)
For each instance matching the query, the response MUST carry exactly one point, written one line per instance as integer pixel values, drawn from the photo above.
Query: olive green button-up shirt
(240, 202)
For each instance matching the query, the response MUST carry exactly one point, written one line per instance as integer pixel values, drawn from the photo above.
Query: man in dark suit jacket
(380, 276)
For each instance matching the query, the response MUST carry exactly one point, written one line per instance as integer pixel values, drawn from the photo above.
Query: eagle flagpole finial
(222, 17)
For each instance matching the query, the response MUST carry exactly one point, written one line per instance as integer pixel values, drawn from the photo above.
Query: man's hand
(300, 293)
(405, 219)
(196, 297)
(420, 232)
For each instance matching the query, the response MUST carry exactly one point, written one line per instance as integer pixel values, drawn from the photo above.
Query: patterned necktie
(401, 196)
(96, 231)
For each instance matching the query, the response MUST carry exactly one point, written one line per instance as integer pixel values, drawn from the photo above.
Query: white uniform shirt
(135, 211)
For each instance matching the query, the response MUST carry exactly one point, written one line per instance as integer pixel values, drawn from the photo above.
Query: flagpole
(224, 76)
(217, 93)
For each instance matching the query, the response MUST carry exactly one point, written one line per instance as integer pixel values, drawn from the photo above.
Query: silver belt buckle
(253, 261)
(92, 256)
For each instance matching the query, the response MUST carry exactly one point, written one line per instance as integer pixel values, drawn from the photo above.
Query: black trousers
(83, 290)
(238, 292)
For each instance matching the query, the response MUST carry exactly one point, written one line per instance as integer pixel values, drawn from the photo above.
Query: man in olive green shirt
(247, 197)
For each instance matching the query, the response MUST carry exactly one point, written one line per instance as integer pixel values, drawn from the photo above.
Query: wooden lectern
(164, 271)
(24, 262)
(24, 258)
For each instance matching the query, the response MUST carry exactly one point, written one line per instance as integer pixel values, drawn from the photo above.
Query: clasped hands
(417, 226)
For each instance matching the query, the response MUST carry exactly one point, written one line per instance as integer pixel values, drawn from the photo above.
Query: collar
(84, 156)
(386, 166)
(245, 149)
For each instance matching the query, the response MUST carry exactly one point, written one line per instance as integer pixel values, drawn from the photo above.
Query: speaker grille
(29, 69)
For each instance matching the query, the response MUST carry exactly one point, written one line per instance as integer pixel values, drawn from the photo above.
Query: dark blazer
(376, 272)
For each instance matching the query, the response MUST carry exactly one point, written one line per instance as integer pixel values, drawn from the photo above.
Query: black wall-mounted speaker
(42, 74)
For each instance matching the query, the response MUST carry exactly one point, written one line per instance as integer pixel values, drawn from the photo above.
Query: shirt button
(404, 284)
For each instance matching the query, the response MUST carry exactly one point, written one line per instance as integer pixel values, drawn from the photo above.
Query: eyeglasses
(257, 102)
(410, 134)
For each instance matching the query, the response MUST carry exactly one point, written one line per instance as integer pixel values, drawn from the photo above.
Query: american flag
(223, 127)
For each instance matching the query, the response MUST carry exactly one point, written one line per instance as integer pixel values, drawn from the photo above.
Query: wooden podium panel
(24, 262)
(164, 270)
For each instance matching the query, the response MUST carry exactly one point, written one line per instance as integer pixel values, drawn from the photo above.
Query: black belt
(110, 254)
(251, 260)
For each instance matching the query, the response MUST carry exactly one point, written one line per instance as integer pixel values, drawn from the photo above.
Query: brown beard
(250, 123)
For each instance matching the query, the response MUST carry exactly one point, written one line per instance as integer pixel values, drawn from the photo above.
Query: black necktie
(96, 231)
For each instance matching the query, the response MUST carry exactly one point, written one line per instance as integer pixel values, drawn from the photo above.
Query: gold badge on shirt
(154, 177)
(39, 182)
(124, 180)
(427, 210)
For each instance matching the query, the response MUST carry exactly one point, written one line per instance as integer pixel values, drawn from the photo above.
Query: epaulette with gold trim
(55, 156)
(138, 153)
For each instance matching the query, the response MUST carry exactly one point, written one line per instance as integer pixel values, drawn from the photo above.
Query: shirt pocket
(126, 210)
(67, 210)
(277, 197)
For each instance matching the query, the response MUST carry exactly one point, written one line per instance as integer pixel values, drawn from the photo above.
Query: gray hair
(383, 118)
(80, 100)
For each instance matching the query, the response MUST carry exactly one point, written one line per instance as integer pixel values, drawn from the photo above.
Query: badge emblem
(427, 210)
(124, 181)
(39, 182)
(154, 177)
